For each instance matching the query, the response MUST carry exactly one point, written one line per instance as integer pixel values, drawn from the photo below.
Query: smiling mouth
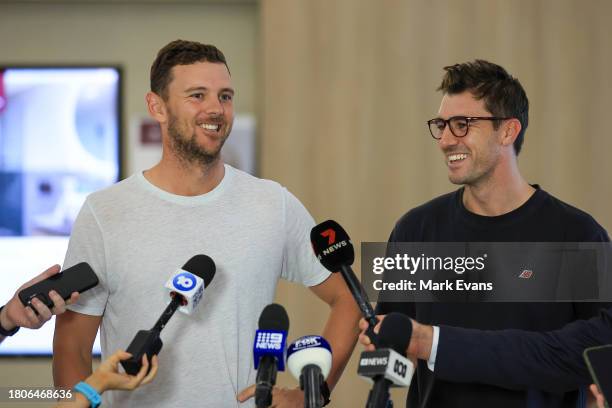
(211, 126)
(455, 158)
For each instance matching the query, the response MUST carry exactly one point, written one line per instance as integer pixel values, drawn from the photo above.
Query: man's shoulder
(432, 208)
(581, 226)
(264, 190)
(248, 180)
(425, 215)
(114, 191)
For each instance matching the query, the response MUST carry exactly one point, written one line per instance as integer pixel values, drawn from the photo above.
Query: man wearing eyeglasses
(479, 129)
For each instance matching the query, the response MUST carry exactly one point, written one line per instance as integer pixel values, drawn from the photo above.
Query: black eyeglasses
(459, 125)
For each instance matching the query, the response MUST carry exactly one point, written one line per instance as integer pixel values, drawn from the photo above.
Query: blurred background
(333, 96)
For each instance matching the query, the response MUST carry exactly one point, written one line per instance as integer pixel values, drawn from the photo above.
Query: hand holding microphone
(269, 353)
(387, 366)
(185, 288)
(421, 340)
(334, 249)
(107, 377)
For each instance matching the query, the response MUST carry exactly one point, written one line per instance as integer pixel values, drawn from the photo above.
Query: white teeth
(208, 126)
(455, 157)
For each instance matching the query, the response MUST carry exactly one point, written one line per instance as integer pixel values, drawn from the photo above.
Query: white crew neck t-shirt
(135, 235)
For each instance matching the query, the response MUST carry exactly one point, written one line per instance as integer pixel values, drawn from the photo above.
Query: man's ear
(510, 131)
(156, 107)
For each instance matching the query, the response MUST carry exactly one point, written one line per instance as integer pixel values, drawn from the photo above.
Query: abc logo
(184, 282)
(400, 368)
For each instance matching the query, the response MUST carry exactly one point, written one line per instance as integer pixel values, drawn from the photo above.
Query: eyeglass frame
(468, 120)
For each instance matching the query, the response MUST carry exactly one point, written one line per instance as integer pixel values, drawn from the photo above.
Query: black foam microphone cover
(202, 266)
(332, 245)
(395, 332)
(274, 317)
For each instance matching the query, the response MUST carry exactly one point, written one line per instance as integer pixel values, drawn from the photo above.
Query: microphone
(189, 283)
(334, 249)
(388, 366)
(186, 289)
(269, 351)
(309, 359)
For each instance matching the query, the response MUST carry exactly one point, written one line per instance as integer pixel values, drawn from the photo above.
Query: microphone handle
(362, 301)
(145, 342)
(310, 381)
(265, 381)
(167, 314)
(379, 395)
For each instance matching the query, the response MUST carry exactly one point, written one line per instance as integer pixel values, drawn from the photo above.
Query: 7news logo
(330, 234)
(269, 341)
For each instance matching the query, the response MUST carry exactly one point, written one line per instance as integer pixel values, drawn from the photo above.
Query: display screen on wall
(60, 139)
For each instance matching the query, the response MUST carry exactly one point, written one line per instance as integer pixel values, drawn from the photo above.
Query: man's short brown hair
(503, 94)
(180, 52)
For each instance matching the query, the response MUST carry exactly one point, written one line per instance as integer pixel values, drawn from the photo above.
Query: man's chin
(209, 157)
(456, 179)
(211, 146)
(213, 154)
(200, 157)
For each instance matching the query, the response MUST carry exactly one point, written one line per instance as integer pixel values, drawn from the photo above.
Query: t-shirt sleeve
(299, 261)
(87, 245)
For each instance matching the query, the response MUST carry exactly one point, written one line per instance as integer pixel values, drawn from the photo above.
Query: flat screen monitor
(60, 140)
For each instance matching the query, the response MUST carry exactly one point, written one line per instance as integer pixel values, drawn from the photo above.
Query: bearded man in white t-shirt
(135, 233)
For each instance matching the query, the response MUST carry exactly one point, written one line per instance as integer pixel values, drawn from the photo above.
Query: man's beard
(480, 173)
(475, 177)
(187, 148)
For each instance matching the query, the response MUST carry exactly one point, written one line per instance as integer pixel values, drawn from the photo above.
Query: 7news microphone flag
(186, 289)
(334, 249)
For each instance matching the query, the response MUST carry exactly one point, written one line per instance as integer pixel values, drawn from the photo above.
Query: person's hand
(363, 337)
(108, 377)
(421, 339)
(281, 397)
(14, 314)
(599, 398)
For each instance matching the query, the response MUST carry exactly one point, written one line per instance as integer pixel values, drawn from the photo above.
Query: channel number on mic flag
(184, 282)
(269, 341)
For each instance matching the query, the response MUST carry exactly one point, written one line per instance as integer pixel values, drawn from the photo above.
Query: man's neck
(497, 197)
(185, 179)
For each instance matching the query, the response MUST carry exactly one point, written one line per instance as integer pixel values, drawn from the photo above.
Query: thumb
(246, 393)
(41, 277)
(50, 271)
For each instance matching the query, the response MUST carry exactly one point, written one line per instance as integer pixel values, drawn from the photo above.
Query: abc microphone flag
(388, 366)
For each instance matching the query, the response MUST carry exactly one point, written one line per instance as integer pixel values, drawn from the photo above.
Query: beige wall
(343, 89)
